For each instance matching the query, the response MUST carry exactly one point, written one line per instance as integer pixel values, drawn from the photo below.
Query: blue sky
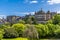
(23, 7)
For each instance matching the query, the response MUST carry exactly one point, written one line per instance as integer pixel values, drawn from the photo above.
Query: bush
(19, 28)
(51, 29)
(42, 30)
(10, 33)
(1, 33)
(21, 21)
(31, 32)
(56, 19)
(57, 31)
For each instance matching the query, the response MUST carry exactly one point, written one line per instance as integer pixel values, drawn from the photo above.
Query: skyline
(23, 7)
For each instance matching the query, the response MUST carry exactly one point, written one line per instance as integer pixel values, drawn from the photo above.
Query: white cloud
(34, 1)
(28, 13)
(31, 1)
(2, 16)
(24, 13)
(53, 1)
(58, 11)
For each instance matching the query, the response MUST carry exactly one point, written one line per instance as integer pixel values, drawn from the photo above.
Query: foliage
(30, 32)
(7, 24)
(51, 29)
(3, 26)
(56, 19)
(17, 39)
(21, 21)
(1, 33)
(57, 31)
(30, 29)
(49, 22)
(19, 28)
(42, 30)
(10, 33)
(30, 20)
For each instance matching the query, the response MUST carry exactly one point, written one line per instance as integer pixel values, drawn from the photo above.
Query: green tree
(10, 33)
(1, 33)
(33, 20)
(31, 32)
(49, 22)
(42, 30)
(30, 20)
(56, 19)
(57, 31)
(7, 24)
(19, 28)
(4, 26)
(51, 29)
(21, 21)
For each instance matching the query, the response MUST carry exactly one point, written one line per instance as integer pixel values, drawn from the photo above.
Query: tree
(7, 24)
(51, 29)
(19, 28)
(56, 19)
(42, 30)
(10, 33)
(1, 33)
(21, 21)
(57, 31)
(30, 20)
(3, 26)
(33, 20)
(49, 22)
(31, 32)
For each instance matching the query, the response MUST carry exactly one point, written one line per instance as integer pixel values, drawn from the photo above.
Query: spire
(35, 12)
(48, 12)
(41, 10)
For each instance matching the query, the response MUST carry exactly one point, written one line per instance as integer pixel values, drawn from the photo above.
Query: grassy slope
(16, 39)
(26, 39)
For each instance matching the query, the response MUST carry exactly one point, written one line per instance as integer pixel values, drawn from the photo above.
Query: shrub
(57, 31)
(31, 32)
(1, 33)
(10, 33)
(42, 30)
(21, 21)
(56, 19)
(52, 28)
(19, 28)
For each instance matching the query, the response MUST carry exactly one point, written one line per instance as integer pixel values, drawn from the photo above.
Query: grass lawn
(26, 39)
(16, 39)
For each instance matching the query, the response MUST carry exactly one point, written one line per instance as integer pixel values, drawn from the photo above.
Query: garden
(26, 30)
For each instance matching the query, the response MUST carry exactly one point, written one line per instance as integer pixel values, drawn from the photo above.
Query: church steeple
(48, 12)
(41, 10)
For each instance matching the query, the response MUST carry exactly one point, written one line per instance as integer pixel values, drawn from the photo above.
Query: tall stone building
(13, 19)
(43, 17)
(3, 20)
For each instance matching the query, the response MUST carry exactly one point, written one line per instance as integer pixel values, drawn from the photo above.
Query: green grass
(26, 39)
(16, 39)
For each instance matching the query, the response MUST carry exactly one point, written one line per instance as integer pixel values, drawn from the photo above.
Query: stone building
(13, 18)
(3, 20)
(43, 17)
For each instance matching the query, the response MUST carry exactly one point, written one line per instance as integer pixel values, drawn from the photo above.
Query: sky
(23, 7)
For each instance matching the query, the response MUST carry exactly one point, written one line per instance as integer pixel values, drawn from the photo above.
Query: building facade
(43, 17)
(13, 18)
